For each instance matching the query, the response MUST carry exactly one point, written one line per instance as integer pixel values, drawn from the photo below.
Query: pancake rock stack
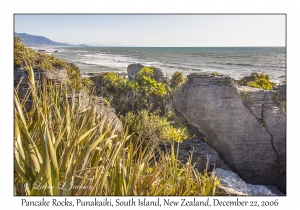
(246, 126)
(59, 76)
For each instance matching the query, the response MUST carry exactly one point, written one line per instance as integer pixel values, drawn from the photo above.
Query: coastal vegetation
(142, 93)
(64, 148)
(145, 105)
(41, 61)
(68, 140)
(154, 128)
(258, 80)
(246, 98)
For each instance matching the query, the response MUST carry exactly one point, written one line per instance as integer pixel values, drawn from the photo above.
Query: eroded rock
(232, 184)
(21, 80)
(247, 129)
(59, 76)
(107, 113)
(133, 69)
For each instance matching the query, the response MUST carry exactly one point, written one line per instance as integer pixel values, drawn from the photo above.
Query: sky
(157, 30)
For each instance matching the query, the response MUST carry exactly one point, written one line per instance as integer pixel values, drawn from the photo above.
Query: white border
(153, 6)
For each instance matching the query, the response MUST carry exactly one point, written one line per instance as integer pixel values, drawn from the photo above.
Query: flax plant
(63, 148)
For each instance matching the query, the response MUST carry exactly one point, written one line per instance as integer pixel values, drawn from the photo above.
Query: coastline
(227, 61)
(216, 99)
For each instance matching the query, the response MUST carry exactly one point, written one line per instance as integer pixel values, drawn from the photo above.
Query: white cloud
(107, 43)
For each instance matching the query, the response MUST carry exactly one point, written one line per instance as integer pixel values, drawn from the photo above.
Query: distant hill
(28, 39)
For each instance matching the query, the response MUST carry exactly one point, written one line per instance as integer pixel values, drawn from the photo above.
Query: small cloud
(107, 43)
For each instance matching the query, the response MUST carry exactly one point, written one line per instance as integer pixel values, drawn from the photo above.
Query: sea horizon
(235, 62)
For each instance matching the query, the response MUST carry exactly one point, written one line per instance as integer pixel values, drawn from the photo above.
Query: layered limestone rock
(98, 103)
(267, 108)
(244, 125)
(58, 76)
(21, 80)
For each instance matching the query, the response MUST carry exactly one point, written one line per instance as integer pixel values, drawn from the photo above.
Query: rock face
(232, 184)
(159, 75)
(281, 90)
(200, 153)
(59, 76)
(21, 79)
(97, 80)
(133, 69)
(107, 113)
(244, 125)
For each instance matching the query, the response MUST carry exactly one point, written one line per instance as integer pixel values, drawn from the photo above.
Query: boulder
(232, 184)
(244, 125)
(133, 69)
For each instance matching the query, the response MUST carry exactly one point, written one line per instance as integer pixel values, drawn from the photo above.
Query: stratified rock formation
(58, 76)
(98, 103)
(21, 80)
(246, 126)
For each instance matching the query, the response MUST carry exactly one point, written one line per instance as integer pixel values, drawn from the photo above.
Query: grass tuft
(62, 149)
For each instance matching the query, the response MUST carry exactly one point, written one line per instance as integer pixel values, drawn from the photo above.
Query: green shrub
(132, 95)
(246, 97)
(44, 62)
(147, 72)
(258, 80)
(177, 80)
(115, 83)
(144, 92)
(150, 127)
(174, 119)
(66, 150)
(147, 83)
(26, 56)
(22, 55)
(261, 83)
(75, 80)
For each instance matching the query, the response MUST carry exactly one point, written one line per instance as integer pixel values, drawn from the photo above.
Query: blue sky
(157, 30)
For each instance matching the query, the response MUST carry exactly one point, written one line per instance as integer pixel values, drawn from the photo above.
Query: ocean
(235, 62)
